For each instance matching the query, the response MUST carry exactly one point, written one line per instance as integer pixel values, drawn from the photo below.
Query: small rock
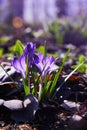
(26, 102)
(69, 105)
(13, 104)
(30, 106)
(1, 102)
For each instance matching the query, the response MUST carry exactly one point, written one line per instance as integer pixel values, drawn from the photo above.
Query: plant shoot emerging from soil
(39, 72)
(36, 70)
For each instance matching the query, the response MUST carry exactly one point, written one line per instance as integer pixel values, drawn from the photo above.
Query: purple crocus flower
(29, 51)
(20, 65)
(46, 64)
(30, 48)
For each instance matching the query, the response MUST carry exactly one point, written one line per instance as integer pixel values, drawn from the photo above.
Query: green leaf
(41, 49)
(45, 50)
(26, 81)
(26, 87)
(4, 39)
(82, 59)
(19, 48)
(1, 52)
(81, 69)
(12, 48)
(44, 90)
(58, 73)
(67, 79)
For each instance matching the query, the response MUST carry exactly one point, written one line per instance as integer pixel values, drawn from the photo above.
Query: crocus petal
(45, 71)
(41, 57)
(19, 66)
(29, 49)
(53, 68)
(40, 66)
(38, 62)
(52, 60)
(36, 59)
(46, 64)
(23, 62)
(16, 64)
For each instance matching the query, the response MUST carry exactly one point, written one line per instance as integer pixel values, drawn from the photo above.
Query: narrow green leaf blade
(58, 73)
(45, 90)
(66, 79)
(19, 48)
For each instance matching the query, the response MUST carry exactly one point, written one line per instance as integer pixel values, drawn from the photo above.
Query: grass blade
(45, 90)
(45, 50)
(58, 73)
(26, 81)
(66, 79)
